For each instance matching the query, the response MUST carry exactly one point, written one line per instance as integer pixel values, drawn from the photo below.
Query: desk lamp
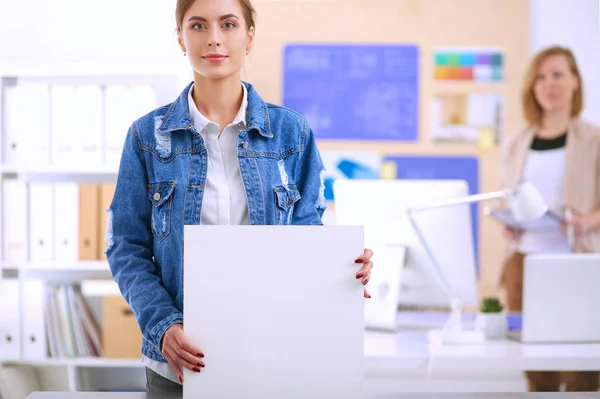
(526, 204)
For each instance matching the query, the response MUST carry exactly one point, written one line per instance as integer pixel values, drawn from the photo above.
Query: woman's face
(215, 37)
(555, 84)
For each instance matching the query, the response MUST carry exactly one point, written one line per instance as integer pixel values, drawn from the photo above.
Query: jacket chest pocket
(161, 196)
(285, 200)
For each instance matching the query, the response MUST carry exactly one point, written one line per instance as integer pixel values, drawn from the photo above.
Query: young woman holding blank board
(560, 154)
(217, 155)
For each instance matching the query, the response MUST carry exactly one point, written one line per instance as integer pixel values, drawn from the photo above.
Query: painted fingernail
(365, 281)
(359, 275)
(369, 296)
(181, 379)
(200, 364)
(196, 369)
(200, 355)
(358, 261)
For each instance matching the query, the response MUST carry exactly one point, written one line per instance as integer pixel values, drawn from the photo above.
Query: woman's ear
(180, 41)
(250, 39)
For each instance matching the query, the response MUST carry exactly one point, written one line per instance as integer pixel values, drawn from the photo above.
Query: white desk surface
(135, 395)
(389, 353)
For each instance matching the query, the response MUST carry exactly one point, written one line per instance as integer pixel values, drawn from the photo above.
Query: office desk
(136, 395)
(405, 362)
(405, 351)
(402, 363)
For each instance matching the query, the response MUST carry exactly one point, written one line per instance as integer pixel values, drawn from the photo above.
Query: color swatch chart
(474, 65)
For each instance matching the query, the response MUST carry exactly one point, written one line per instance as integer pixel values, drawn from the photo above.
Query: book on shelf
(71, 330)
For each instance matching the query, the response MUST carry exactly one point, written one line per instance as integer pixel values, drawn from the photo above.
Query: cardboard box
(121, 335)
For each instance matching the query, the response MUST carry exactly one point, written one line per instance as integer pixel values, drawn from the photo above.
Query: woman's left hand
(365, 272)
(583, 224)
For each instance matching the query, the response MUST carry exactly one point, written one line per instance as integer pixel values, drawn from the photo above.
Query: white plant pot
(493, 325)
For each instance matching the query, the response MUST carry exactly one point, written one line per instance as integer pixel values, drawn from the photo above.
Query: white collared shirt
(224, 200)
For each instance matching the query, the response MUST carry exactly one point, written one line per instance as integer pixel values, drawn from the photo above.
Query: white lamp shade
(526, 203)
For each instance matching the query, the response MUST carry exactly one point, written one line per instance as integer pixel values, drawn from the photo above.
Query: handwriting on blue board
(354, 92)
(442, 167)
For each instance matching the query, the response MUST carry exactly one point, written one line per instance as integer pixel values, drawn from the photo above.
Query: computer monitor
(380, 206)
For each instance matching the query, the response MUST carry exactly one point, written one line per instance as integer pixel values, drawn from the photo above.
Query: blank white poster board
(277, 311)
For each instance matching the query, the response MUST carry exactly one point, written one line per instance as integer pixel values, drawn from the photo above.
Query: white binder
(76, 124)
(26, 143)
(41, 221)
(66, 226)
(276, 309)
(123, 104)
(10, 326)
(15, 243)
(33, 337)
(89, 123)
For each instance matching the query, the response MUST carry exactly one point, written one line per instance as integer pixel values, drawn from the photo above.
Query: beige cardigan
(581, 185)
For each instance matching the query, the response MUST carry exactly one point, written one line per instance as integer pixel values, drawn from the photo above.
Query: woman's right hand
(178, 351)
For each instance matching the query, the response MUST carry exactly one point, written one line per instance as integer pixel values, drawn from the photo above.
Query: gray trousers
(157, 384)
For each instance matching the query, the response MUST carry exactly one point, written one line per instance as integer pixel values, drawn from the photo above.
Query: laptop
(561, 295)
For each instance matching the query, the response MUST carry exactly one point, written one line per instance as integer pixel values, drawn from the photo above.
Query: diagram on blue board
(442, 167)
(354, 92)
(348, 165)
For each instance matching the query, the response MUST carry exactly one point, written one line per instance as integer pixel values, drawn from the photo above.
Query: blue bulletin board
(354, 92)
(439, 168)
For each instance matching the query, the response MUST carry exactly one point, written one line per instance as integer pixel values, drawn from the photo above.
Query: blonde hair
(247, 8)
(532, 110)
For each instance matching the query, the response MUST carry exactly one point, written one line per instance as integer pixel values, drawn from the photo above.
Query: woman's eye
(198, 26)
(228, 25)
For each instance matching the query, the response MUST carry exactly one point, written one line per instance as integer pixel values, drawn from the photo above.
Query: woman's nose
(214, 40)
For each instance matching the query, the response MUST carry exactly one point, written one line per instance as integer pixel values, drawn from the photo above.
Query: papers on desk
(549, 222)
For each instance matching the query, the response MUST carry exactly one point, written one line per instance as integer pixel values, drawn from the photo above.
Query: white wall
(143, 30)
(87, 30)
(572, 23)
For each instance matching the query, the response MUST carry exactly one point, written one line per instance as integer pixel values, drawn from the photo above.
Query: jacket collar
(178, 114)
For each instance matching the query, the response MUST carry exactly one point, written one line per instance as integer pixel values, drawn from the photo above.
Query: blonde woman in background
(560, 154)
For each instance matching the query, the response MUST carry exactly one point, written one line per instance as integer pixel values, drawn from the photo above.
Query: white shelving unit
(53, 173)
(75, 374)
(94, 276)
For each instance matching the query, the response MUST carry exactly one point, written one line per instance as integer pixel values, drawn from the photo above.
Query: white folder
(15, 243)
(277, 310)
(33, 337)
(76, 124)
(123, 104)
(10, 326)
(89, 124)
(66, 226)
(41, 221)
(26, 125)
(62, 120)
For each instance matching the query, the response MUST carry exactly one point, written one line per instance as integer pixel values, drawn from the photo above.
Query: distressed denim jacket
(159, 190)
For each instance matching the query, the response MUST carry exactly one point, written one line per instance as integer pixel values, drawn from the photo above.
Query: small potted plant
(491, 319)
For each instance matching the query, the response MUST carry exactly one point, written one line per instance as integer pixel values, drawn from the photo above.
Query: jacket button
(156, 196)
(245, 144)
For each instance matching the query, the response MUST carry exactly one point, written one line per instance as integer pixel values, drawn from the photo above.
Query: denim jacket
(159, 189)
